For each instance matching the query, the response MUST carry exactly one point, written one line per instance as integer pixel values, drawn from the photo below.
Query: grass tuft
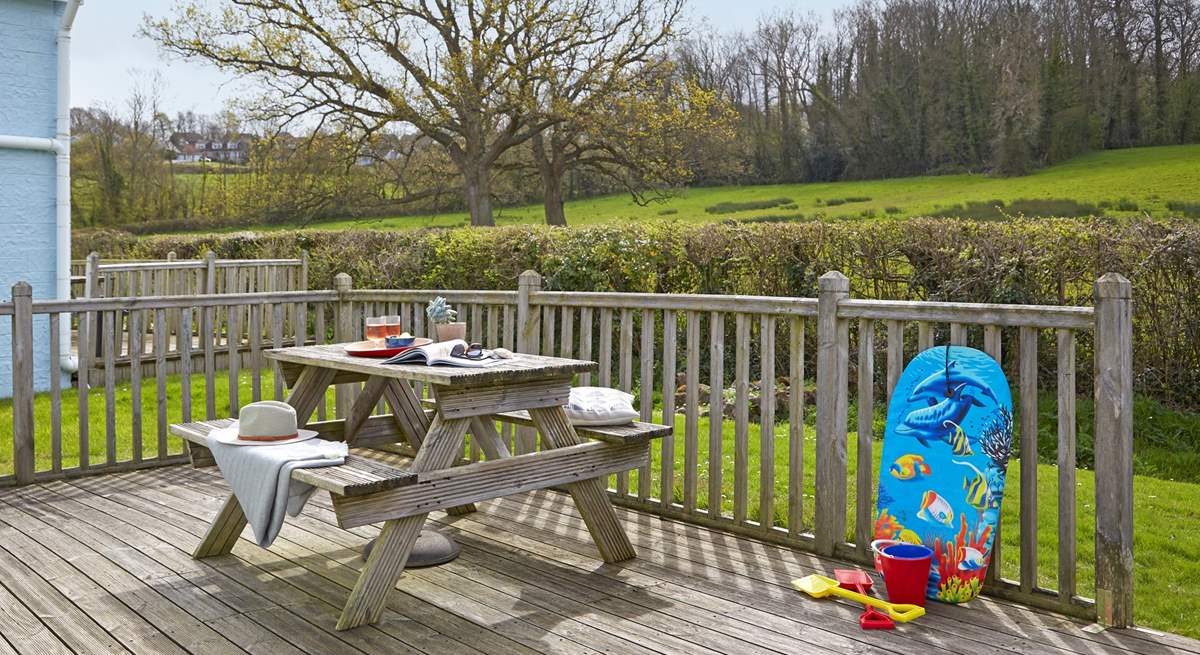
(729, 207)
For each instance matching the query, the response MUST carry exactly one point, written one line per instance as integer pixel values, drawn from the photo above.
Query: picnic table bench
(527, 390)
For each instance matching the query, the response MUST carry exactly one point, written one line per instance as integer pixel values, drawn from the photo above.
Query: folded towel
(261, 478)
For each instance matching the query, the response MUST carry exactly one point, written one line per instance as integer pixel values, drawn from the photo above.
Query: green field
(1115, 182)
(1166, 568)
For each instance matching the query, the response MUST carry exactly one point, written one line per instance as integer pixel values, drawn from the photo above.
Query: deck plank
(103, 564)
(299, 601)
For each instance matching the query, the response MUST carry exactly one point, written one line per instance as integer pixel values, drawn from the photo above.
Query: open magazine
(440, 353)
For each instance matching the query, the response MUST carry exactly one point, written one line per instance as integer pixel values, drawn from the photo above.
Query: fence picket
(160, 377)
(666, 493)
(646, 392)
(863, 528)
(56, 392)
(691, 430)
(136, 350)
(795, 515)
(741, 417)
(716, 411)
(1029, 403)
(1066, 464)
(766, 422)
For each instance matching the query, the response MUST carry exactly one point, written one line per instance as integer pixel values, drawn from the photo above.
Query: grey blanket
(261, 478)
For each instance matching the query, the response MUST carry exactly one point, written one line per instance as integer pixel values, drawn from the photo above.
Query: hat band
(269, 438)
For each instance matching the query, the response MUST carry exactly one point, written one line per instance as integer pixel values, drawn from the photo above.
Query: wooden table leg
(442, 446)
(483, 431)
(309, 391)
(406, 408)
(590, 496)
(364, 404)
(411, 418)
(224, 531)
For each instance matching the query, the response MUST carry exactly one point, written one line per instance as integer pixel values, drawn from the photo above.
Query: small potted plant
(442, 316)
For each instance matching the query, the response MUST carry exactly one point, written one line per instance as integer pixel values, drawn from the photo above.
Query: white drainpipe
(60, 145)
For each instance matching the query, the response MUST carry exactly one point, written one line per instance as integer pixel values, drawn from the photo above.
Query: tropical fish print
(979, 494)
(936, 509)
(931, 423)
(938, 386)
(972, 559)
(957, 438)
(907, 467)
(950, 408)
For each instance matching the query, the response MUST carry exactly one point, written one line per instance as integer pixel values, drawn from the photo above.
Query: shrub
(1036, 261)
(773, 218)
(858, 199)
(1185, 209)
(667, 212)
(749, 205)
(834, 202)
(890, 209)
(1062, 207)
(1127, 205)
(989, 210)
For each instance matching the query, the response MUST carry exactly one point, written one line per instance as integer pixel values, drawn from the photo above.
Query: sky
(108, 57)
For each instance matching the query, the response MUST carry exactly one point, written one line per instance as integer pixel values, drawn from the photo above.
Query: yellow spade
(819, 586)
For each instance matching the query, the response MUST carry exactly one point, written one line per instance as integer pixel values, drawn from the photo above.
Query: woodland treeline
(908, 87)
(597, 96)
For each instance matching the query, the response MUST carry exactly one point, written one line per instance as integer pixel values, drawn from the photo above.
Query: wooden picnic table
(467, 399)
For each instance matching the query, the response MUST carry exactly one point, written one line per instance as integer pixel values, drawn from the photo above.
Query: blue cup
(398, 342)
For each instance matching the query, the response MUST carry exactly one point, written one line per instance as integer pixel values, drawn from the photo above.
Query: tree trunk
(552, 198)
(546, 152)
(478, 192)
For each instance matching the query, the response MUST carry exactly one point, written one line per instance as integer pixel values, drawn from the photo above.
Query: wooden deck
(102, 565)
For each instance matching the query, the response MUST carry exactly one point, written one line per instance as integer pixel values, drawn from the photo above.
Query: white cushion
(600, 406)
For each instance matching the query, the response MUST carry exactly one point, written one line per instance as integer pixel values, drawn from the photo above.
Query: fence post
(210, 272)
(91, 288)
(22, 381)
(302, 282)
(91, 273)
(1114, 450)
(528, 321)
(833, 357)
(343, 331)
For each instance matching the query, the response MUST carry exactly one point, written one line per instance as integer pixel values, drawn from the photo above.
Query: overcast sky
(108, 56)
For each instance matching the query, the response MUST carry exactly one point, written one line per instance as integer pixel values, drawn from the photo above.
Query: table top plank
(520, 368)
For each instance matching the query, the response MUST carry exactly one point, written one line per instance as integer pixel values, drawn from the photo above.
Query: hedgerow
(1033, 261)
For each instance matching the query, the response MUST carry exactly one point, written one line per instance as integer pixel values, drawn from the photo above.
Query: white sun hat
(264, 423)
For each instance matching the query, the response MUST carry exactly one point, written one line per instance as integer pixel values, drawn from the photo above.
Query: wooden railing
(174, 277)
(738, 373)
(97, 278)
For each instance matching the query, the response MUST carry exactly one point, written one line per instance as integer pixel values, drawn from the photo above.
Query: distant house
(195, 147)
(35, 170)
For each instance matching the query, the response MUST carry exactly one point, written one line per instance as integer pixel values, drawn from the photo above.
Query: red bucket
(905, 569)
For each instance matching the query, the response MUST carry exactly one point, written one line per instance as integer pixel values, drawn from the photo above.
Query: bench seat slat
(635, 432)
(358, 476)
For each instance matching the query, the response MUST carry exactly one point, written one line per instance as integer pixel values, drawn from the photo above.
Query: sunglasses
(473, 351)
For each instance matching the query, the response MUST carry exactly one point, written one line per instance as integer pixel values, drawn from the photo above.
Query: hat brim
(229, 435)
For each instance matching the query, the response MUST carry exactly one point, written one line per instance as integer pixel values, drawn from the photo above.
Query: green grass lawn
(1115, 182)
(1167, 596)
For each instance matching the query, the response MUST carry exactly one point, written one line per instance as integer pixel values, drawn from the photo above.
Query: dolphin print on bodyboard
(946, 447)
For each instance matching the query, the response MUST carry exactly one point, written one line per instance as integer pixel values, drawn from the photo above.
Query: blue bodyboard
(946, 448)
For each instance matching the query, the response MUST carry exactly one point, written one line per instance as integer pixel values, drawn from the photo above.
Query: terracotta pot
(448, 331)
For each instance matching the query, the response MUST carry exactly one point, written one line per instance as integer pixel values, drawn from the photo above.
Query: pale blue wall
(28, 84)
